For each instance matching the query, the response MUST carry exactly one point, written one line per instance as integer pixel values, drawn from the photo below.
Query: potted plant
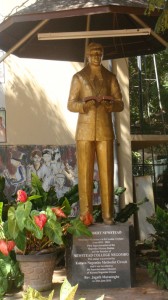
(38, 226)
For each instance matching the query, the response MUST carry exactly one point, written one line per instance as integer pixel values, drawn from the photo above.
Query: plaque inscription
(102, 260)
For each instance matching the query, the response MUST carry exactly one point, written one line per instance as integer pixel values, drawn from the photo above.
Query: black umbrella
(19, 33)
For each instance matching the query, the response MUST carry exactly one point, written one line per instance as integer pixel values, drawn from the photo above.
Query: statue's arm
(75, 103)
(118, 104)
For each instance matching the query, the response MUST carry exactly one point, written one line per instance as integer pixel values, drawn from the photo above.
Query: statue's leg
(85, 160)
(104, 152)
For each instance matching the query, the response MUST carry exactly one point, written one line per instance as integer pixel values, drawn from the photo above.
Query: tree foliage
(162, 22)
(148, 93)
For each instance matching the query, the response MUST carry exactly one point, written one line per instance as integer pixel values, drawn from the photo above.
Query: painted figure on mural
(60, 185)
(45, 173)
(2, 130)
(57, 163)
(35, 166)
(95, 94)
(15, 173)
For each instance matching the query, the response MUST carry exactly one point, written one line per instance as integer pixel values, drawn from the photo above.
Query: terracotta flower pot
(38, 270)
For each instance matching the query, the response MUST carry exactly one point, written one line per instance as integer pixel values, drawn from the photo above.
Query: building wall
(120, 68)
(36, 94)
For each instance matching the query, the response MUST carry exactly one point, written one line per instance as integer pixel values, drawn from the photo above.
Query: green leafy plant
(10, 275)
(158, 270)
(32, 294)
(67, 292)
(125, 213)
(35, 225)
(162, 5)
(130, 209)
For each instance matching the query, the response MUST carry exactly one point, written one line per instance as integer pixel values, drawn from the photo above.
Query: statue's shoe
(108, 221)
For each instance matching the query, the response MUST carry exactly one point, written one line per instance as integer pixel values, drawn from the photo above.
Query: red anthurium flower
(40, 220)
(4, 247)
(21, 196)
(58, 212)
(10, 245)
(87, 219)
(43, 218)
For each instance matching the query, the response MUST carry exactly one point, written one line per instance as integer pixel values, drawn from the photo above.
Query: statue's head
(94, 50)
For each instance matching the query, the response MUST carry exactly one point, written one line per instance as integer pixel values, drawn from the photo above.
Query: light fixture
(93, 34)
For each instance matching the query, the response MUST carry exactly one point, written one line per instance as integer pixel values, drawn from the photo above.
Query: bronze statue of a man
(95, 94)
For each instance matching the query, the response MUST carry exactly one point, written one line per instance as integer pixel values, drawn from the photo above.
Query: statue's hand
(87, 105)
(108, 105)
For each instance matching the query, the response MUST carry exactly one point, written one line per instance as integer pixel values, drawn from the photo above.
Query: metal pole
(87, 40)
(158, 91)
(24, 39)
(139, 63)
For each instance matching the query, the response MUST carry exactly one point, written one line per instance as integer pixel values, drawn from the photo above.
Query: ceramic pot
(38, 270)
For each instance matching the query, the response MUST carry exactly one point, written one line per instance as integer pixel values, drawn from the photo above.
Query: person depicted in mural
(15, 175)
(71, 173)
(60, 185)
(36, 159)
(2, 130)
(95, 94)
(57, 163)
(45, 172)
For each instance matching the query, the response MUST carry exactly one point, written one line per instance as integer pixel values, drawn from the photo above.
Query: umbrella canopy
(19, 33)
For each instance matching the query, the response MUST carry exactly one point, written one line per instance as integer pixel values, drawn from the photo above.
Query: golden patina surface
(95, 94)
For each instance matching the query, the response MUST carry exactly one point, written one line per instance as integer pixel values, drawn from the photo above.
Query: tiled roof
(43, 6)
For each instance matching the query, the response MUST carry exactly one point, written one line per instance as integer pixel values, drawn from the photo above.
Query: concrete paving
(144, 289)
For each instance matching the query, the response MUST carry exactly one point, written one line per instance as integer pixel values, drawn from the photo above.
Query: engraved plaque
(105, 260)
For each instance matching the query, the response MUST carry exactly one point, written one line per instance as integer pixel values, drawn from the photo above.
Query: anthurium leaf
(54, 231)
(67, 292)
(77, 228)
(27, 207)
(66, 207)
(34, 197)
(1, 207)
(32, 227)
(22, 213)
(34, 213)
(13, 228)
(3, 286)
(50, 214)
(21, 241)
(4, 267)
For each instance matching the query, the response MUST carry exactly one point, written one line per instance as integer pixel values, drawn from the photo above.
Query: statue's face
(95, 57)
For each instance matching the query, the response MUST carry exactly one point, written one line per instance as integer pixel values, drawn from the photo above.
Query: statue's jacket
(96, 124)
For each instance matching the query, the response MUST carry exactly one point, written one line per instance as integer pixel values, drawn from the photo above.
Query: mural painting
(54, 165)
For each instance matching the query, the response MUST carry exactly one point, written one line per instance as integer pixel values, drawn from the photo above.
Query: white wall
(36, 94)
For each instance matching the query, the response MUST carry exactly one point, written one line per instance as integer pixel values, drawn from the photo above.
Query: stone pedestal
(105, 260)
